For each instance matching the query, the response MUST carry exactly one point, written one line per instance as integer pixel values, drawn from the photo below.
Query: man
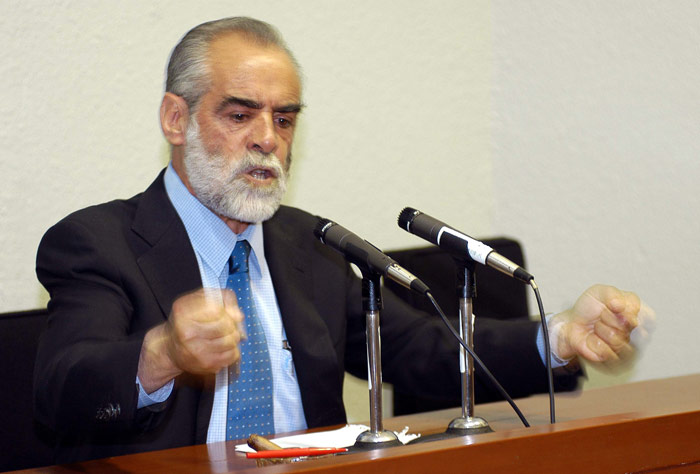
(142, 353)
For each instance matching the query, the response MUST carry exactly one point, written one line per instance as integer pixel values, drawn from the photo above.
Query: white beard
(219, 181)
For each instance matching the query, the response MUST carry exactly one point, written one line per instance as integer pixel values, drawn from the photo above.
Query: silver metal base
(380, 439)
(473, 424)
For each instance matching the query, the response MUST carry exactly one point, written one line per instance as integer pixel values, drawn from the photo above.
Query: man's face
(238, 145)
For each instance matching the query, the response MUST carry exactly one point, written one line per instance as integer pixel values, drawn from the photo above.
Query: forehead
(240, 67)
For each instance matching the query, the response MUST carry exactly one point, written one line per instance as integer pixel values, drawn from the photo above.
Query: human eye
(238, 117)
(284, 122)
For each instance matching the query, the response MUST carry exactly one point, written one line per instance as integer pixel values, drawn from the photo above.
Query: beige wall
(596, 157)
(570, 125)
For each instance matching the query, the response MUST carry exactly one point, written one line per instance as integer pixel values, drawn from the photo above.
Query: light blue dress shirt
(213, 242)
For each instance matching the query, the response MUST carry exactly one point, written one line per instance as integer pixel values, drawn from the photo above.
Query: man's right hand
(201, 336)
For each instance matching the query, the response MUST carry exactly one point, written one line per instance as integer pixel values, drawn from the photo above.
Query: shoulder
(104, 214)
(293, 216)
(292, 224)
(116, 217)
(293, 229)
(108, 226)
(101, 220)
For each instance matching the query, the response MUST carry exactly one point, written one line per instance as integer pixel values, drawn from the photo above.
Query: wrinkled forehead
(237, 58)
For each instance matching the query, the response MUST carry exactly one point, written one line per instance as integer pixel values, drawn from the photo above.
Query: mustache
(255, 159)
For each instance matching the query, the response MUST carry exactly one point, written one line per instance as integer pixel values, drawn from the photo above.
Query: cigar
(260, 443)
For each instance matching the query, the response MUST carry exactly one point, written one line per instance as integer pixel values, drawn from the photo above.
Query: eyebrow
(251, 104)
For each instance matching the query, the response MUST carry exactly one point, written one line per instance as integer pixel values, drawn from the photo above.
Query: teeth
(259, 174)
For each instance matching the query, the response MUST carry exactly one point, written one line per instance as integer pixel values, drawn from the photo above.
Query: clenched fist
(201, 336)
(598, 326)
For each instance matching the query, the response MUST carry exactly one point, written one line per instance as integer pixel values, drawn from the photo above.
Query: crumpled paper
(340, 438)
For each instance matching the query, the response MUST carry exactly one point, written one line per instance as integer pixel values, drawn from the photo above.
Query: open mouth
(261, 173)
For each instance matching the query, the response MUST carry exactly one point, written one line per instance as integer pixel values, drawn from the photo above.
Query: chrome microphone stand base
(469, 425)
(377, 440)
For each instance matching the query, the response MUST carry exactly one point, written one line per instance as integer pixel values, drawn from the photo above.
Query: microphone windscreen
(406, 217)
(322, 227)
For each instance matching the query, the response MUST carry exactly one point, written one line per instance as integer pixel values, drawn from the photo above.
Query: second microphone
(365, 255)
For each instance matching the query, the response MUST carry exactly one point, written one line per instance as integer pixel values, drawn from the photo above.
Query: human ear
(174, 116)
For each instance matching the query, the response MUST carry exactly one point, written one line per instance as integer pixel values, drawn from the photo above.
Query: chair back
(23, 442)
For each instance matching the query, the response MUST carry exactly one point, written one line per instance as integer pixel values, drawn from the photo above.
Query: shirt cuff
(160, 395)
(553, 337)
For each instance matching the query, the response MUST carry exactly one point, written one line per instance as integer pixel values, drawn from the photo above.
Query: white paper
(340, 438)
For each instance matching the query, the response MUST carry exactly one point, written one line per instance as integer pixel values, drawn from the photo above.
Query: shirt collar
(211, 238)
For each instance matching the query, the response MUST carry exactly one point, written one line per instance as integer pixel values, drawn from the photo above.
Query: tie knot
(239, 257)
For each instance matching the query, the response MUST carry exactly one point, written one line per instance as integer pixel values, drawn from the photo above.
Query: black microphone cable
(547, 351)
(471, 352)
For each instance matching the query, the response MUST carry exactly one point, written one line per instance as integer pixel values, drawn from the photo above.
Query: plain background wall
(596, 157)
(571, 126)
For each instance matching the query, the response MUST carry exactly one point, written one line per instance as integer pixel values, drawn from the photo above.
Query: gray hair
(188, 71)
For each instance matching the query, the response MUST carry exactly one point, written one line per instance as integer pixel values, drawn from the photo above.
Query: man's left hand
(598, 326)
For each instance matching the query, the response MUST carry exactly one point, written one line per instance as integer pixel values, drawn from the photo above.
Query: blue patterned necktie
(250, 388)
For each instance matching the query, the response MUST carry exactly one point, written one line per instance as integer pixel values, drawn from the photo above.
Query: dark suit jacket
(113, 272)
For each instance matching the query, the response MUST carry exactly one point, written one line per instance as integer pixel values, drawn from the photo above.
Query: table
(650, 426)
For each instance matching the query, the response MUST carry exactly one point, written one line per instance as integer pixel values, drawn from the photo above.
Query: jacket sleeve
(88, 357)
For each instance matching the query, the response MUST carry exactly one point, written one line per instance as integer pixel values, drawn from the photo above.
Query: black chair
(497, 296)
(23, 442)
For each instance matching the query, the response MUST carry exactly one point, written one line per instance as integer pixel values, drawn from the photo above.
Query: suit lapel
(169, 264)
(290, 263)
(290, 269)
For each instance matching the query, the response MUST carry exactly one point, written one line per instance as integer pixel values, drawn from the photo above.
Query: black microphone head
(321, 228)
(406, 217)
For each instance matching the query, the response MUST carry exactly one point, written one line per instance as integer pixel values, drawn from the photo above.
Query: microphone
(365, 255)
(456, 242)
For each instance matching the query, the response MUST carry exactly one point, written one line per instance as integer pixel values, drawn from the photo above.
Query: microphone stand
(467, 423)
(376, 437)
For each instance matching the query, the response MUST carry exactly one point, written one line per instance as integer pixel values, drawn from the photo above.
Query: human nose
(263, 137)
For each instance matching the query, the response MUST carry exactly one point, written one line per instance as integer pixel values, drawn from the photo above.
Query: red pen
(294, 452)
